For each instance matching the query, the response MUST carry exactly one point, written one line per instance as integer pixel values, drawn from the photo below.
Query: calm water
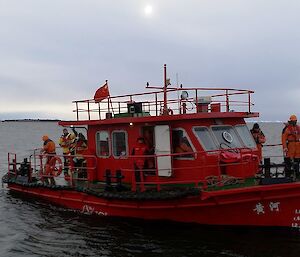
(33, 228)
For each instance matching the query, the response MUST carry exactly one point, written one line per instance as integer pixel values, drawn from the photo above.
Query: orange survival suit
(140, 149)
(290, 139)
(48, 147)
(259, 139)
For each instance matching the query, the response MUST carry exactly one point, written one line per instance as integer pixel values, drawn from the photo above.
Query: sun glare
(148, 10)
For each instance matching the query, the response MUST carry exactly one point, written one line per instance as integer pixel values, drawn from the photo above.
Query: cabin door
(163, 147)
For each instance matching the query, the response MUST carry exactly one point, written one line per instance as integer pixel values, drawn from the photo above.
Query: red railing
(179, 100)
(38, 168)
(246, 160)
(75, 172)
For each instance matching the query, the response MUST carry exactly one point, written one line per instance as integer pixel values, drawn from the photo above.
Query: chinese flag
(101, 93)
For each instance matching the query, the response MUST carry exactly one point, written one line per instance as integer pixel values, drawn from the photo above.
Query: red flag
(101, 93)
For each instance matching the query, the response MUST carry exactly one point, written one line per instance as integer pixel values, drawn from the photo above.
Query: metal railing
(223, 100)
(39, 168)
(246, 161)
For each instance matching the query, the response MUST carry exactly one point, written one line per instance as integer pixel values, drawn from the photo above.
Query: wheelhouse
(191, 134)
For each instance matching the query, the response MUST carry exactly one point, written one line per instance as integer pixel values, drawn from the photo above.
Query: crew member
(140, 149)
(290, 140)
(148, 137)
(259, 138)
(65, 141)
(80, 148)
(49, 151)
(181, 145)
(48, 148)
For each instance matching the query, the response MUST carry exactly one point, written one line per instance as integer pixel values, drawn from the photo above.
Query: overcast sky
(56, 51)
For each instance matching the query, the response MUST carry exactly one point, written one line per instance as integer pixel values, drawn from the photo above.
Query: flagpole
(109, 100)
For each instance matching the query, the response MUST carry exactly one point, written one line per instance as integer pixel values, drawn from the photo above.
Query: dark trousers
(291, 165)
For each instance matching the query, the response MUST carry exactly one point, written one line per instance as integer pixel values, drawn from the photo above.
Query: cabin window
(102, 144)
(205, 138)
(181, 144)
(119, 143)
(245, 135)
(226, 137)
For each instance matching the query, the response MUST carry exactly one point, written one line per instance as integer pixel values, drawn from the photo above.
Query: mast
(165, 110)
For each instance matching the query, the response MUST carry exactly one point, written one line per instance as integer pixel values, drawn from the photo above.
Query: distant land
(31, 120)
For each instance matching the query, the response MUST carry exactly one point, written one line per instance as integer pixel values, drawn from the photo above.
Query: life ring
(54, 167)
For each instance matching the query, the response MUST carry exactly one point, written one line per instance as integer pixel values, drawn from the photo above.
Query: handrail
(40, 162)
(39, 166)
(253, 158)
(115, 104)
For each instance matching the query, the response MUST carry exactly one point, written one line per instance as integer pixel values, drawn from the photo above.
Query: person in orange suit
(49, 149)
(291, 146)
(259, 138)
(140, 149)
(290, 139)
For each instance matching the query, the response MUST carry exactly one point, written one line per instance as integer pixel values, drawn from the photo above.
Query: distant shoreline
(31, 120)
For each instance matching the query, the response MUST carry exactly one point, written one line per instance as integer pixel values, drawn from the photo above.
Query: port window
(226, 137)
(245, 136)
(181, 144)
(119, 143)
(102, 144)
(205, 138)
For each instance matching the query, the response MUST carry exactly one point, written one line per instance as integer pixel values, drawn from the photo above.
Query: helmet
(45, 137)
(293, 118)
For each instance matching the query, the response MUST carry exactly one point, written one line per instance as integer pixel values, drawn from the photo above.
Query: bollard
(267, 167)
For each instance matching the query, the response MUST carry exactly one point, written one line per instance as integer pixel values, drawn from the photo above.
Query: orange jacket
(183, 148)
(49, 147)
(290, 134)
(140, 149)
(258, 136)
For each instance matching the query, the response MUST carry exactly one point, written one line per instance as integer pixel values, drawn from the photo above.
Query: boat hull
(273, 205)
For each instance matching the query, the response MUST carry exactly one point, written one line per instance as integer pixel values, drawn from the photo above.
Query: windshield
(245, 135)
(226, 137)
(205, 138)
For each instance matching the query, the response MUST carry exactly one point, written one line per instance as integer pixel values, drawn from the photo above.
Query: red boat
(196, 161)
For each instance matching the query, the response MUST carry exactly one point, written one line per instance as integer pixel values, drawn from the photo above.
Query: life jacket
(49, 146)
(64, 142)
(140, 150)
(290, 134)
